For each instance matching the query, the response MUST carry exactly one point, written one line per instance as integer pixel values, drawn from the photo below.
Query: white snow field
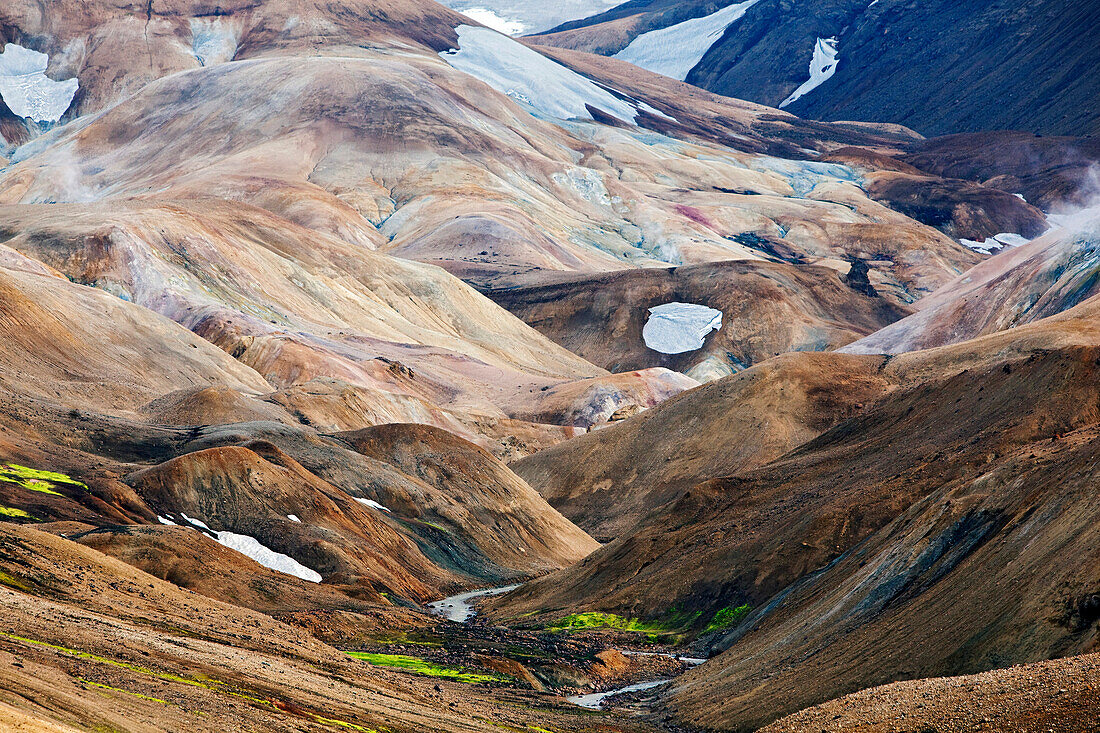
(822, 67)
(675, 50)
(532, 79)
(26, 89)
(674, 328)
(529, 16)
(251, 547)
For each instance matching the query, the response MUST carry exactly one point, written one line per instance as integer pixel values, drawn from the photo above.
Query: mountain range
(364, 367)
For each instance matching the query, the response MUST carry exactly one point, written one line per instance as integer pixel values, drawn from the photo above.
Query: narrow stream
(594, 701)
(460, 607)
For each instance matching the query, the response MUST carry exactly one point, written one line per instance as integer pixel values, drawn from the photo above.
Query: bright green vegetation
(102, 686)
(34, 479)
(652, 630)
(670, 628)
(727, 617)
(13, 582)
(7, 511)
(420, 666)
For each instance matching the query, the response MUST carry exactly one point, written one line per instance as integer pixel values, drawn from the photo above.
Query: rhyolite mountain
(938, 67)
(316, 315)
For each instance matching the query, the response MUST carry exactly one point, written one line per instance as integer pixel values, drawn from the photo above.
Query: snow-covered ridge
(676, 50)
(26, 89)
(674, 328)
(534, 80)
(822, 67)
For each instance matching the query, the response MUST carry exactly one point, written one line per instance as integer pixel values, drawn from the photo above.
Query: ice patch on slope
(26, 89)
(267, 557)
(532, 79)
(822, 67)
(372, 504)
(996, 242)
(676, 50)
(674, 328)
(213, 41)
(253, 548)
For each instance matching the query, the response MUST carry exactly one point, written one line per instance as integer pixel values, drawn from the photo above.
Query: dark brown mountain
(937, 67)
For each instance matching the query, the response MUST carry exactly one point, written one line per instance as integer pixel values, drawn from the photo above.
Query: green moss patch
(420, 666)
(13, 513)
(33, 479)
(13, 582)
(727, 617)
(665, 629)
(101, 686)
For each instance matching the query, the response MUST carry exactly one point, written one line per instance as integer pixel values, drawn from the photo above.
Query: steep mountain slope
(853, 60)
(1054, 695)
(256, 395)
(271, 232)
(83, 365)
(608, 480)
(91, 642)
(1020, 285)
(969, 476)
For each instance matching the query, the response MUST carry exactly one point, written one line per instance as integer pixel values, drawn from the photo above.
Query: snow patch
(674, 328)
(488, 17)
(267, 557)
(534, 80)
(372, 504)
(996, 242)
(822, 67)
(294, 518)
(253, 548)
(213, 41)
(676, 50)
(531, 16)
(26, 89)
(196, 522)
(165, 520)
